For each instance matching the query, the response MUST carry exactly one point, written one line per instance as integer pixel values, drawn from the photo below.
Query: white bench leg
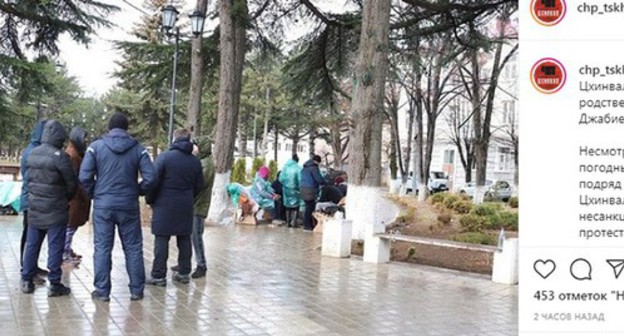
(505, 265)
(376, 250)
(336, 238)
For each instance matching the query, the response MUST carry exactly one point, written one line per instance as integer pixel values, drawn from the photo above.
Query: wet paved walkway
(261, 281)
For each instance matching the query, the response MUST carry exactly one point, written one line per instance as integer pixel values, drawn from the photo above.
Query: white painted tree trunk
(479, 195)
(422, 192)
(364, 210)
(220, 204)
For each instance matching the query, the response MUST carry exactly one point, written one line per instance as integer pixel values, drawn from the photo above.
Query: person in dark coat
(179, 180)
(311, 180)
(52, 184)
(109, 175)
(279, 215)
(340, 183)
(79, 205)
(35, 140)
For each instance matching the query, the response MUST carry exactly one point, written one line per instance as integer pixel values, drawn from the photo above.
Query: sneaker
(175, 268)
(98, 297)
(71, 262)
(136, 297)
(159, 282)
(42, 272)
(184, 279)
(38, 280)
(200, 272)
(28, 287)
(58, 289)
(307, 230)
(75, 256)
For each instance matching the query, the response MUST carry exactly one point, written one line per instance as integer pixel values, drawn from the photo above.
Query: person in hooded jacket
(79, 205)
(262, 192)
(311, 180)
(52, 184)
(291, 182)
(35, 140)
(179, 179)
(109, 175)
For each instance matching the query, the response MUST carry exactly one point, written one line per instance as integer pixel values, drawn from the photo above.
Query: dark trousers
(308, 220)
(56, 244)
(128, 222)
(24, 235)
(161, 254)
(278, 210)
(291, 216)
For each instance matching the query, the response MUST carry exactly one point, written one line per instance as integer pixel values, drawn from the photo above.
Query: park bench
(10, 169)
(504, 266)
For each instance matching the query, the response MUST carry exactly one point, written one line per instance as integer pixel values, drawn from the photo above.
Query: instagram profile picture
(548, 12)
(548, 75)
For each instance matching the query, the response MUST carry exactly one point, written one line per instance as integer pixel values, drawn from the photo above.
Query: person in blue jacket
(179, 179)
(311, 181)
(35, 140)
(109, 175)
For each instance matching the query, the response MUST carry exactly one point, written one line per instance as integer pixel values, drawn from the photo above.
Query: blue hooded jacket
(35, 140)
(109, 173)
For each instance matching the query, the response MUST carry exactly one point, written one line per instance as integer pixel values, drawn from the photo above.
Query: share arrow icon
(617, 265)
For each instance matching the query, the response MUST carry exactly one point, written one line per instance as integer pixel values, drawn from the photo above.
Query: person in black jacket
(51, 183)
(179, 180)
(109, 174)
(311, 180)
(35, 140)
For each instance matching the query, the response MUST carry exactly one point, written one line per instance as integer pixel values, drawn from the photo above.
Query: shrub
(450, 200)
(238, 172)
(475, 238)
(257, 163)
(473, 223)
(273, 170)
(437, 198)
(462, 206)
(486, 209)
(445, 218)
(513, 202)
(509, 220)
(411, 252)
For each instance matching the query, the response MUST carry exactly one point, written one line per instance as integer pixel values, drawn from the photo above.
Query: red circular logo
(548, 12)
(548, 75)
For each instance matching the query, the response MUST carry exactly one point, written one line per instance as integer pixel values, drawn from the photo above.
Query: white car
(437, 182)
(499, 189)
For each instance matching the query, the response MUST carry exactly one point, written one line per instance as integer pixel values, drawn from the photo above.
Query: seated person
(262, 192)
(340, 183)
(330, 193)
(241, 200)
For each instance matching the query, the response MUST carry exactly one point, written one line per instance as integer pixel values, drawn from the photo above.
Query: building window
(509, 111)
(288, 147)
(503, 159)
(449, 156)
(300, 148)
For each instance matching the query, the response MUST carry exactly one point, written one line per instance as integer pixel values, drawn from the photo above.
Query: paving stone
(260, 281)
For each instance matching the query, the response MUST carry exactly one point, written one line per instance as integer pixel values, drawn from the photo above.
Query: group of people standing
(58, 186)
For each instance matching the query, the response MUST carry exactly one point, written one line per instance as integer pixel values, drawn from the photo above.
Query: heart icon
(544, 267)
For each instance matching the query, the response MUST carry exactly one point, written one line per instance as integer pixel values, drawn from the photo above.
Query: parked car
(437, 182)
(498, 189)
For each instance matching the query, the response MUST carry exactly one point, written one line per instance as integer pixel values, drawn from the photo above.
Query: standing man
(311, 180)
(51, 184)
(35, 140)
(179, 180)
(202, 204)
(109, 175)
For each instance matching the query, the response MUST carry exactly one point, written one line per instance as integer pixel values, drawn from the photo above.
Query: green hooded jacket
(202, 201)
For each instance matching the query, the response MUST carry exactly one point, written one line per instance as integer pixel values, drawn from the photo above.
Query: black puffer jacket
(51, 179)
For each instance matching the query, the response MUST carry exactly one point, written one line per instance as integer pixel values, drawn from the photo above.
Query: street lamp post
(169, 18)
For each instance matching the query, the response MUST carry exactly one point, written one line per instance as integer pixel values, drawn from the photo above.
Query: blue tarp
(10, 194)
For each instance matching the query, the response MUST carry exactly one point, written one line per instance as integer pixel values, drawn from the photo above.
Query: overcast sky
(93, 67)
